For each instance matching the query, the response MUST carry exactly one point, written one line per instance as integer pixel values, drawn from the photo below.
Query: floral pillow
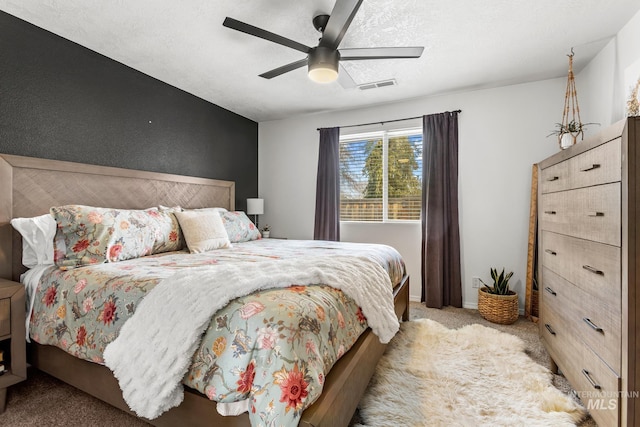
(239, 227)
(168, 235)
(90, 235)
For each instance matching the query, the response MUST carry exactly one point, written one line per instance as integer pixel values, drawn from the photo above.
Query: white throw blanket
(154, 348)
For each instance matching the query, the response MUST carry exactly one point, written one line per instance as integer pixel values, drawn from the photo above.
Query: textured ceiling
(468, 44)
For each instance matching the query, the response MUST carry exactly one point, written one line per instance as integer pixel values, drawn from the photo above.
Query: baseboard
(470, 305)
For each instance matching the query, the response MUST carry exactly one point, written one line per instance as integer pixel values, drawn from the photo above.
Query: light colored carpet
(472, 376)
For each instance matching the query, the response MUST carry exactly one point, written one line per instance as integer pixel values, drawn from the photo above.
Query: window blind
(381, 176)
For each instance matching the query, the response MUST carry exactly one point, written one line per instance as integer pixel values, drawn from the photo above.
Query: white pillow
(170, 208)
(37, 239)
(203, 230)
(208, 210)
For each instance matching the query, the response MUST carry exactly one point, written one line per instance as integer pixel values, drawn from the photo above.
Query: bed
(31, 186)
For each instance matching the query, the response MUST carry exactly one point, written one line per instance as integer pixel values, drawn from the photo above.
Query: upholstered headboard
(30, 186)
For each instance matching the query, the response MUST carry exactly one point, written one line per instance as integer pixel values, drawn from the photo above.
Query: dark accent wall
(59, 100)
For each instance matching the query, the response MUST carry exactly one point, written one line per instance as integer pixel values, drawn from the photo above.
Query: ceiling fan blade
(380, 53)
(339, 21)
(264, 34)
(344, 79)
(284, 69)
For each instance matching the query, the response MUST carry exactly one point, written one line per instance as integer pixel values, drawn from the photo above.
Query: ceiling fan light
(322, 74)
(323, 65)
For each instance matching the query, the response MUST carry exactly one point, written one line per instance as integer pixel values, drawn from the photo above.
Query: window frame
(385, 135)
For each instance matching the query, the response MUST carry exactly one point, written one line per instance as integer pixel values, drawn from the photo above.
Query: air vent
(375, 85)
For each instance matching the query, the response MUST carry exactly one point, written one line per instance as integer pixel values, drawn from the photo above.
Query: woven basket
(502, 309)
(535, 303)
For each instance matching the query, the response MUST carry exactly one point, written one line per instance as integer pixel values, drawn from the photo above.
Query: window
(381, 176)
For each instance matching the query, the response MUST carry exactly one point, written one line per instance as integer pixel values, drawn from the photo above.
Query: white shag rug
(473, 376)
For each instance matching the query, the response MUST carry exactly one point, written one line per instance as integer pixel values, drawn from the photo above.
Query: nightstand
(12, 336)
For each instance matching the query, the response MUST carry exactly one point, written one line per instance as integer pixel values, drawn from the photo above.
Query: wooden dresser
(589, 252)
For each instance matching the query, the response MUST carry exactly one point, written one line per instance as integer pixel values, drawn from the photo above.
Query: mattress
(276, 344)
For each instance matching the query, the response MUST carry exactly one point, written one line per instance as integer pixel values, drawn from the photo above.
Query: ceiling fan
(323, 60)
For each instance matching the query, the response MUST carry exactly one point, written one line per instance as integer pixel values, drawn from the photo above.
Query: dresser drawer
(593, 267)
(591, 213)
(553, 330)
(573, 357)
(600, 165)
(5, 316)
(597, 386)
(555, 178)
(586, 318)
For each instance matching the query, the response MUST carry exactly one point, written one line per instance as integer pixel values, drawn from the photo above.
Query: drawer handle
(549, 328)
(551, 291)
(553, 178)
(591, 381)
(550, 252)
(595, 214)
(590, 168)
(550, 212)
(593, 325)
(593, 270)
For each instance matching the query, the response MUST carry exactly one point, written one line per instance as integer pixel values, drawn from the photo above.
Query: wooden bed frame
(30, 186)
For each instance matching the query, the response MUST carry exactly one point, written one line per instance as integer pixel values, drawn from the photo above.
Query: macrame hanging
(571, 124)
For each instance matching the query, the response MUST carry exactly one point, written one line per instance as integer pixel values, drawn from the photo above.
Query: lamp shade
(255, 206)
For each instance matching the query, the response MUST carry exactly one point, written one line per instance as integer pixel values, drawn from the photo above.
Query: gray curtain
(441, 283)
(327, 224)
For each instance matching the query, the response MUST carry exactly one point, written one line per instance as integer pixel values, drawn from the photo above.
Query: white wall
(600, 85)
(502, 132)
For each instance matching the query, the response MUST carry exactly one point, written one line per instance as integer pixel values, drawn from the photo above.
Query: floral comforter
(294, 335)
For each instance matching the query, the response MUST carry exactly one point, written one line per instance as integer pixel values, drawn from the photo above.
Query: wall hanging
(571, 126)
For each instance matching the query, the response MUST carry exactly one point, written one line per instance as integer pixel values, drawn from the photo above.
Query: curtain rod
(391, 121)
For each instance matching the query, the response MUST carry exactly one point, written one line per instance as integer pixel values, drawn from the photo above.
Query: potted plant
(266, 230)
(498, 303)
(568, 133)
